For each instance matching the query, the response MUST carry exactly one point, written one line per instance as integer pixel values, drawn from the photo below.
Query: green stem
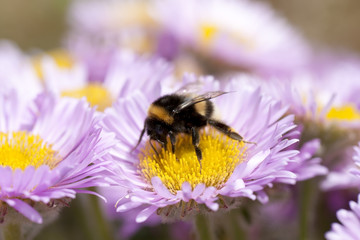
(203, 228)
(233, 226)
(95, 223)
(306, 207)
(12, 231)
(101, 222)
(80, 217)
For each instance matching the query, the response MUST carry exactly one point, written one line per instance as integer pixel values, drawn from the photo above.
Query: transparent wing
(197, 99)
(190, 88)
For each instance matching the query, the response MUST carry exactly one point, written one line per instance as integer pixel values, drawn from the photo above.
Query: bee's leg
(152, 146)
(164, 144)
(172, 140)
(225, 129)
(195, 142)
(140, 138)
(222, 127)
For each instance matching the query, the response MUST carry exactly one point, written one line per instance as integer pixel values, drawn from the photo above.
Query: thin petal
(160, 188)
(145, 214)
(25, 209)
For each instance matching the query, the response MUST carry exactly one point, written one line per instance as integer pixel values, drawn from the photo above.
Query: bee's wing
(189, 89)
(197, 99)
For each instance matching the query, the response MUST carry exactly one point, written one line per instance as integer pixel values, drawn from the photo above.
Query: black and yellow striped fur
(172, 114)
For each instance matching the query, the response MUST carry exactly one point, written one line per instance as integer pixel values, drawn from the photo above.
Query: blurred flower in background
(349, 219)
(75, 94)
(348, 229)
(228, 34)
(17, 72)
(240, 34)
(125, 71)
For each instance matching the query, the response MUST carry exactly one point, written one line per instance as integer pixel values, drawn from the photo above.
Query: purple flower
(304, 166)
(100, 28)
(240, 33)
(350, 219)
(346, 175)
(129, 72)
(127, 228)
(111, 18)
(315, 94)
(126, 72)
(325, 110)
(356, 158)
(243, 34)
(340, 179)
(349, 226)
(58, 58)
(17, 72)
(97, 59)
(49, 151)
(229, 169)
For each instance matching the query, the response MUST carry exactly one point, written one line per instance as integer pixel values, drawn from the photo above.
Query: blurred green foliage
(33, 24)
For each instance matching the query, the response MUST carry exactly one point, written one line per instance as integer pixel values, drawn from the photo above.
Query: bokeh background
(40, 24)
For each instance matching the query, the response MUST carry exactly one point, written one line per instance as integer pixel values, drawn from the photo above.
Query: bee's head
(157, 130)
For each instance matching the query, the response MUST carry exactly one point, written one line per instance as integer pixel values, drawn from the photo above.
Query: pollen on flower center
(96, 95)
(346, 113)
(220, 157)
(21, 149)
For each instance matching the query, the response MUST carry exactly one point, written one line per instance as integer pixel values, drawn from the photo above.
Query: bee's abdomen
(205, 108)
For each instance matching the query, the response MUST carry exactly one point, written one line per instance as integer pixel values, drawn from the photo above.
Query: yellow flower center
(208, 32)
(345, 113)
(62, 58)
(21, 149)
(220, 157)
(96, 95)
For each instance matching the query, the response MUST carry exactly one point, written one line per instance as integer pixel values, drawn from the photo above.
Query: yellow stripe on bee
(160, 113)
(201, 108)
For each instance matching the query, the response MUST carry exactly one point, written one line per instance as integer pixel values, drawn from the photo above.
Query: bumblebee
(172, 114)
